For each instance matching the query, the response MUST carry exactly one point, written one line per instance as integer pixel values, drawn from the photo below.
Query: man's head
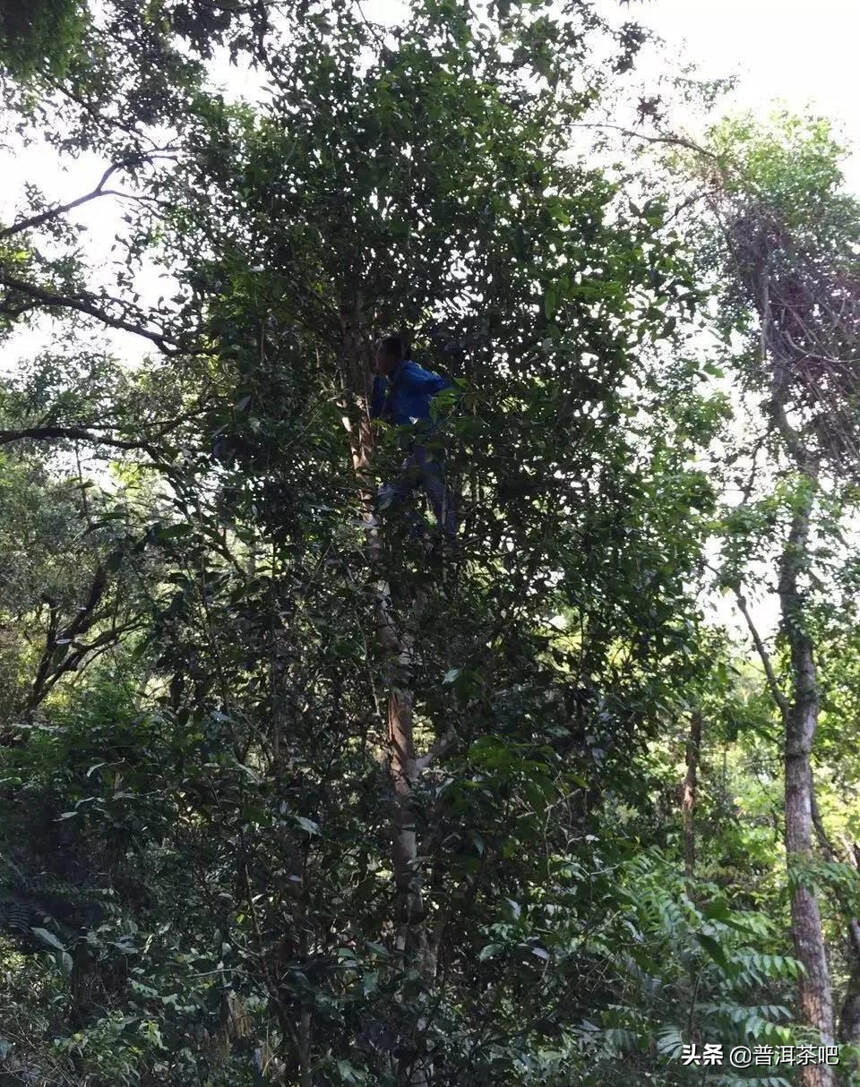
(390, 352)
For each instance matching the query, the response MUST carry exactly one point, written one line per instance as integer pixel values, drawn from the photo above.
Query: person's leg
(393, 494)
(440, 497)
(390, 494)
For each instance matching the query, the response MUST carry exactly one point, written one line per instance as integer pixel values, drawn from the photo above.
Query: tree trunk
(801, 720)
(688, 796)
(396, 652)
(849, 1015)
(306, 1078)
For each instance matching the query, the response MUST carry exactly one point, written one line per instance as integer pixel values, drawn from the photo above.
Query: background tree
(787, 234)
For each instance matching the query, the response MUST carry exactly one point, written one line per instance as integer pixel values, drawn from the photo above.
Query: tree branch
(436, 750)
(93, 194)
(672, 141)
(82, 305)
(44, 433)
(778, 696)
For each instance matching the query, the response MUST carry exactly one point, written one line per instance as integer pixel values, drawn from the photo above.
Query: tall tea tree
(416, 182)
(424, 189)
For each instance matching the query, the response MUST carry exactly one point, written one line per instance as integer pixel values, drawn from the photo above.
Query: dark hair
(394, 347)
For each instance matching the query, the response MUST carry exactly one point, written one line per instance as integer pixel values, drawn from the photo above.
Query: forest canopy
(386, 432)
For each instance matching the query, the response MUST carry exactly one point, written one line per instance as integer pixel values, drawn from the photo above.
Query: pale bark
(801, 721)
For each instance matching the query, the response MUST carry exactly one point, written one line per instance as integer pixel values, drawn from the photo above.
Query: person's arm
(380, 391)
(418, 380)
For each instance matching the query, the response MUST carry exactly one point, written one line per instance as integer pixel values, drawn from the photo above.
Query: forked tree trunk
(394, 645)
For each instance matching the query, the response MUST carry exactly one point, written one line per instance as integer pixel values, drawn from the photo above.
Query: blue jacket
(405, 397)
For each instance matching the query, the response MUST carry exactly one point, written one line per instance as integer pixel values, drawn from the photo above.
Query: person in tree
(402, 392)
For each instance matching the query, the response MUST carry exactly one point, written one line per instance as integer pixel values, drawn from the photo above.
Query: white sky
(801, 52)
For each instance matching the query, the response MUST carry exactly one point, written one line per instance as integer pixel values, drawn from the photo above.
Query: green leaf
(349, 1073)
(511, 909)
(715, 951)
(174, 532)
(48, 938)
(306, 824)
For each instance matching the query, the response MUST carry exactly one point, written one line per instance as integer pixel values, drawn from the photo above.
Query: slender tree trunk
(801, 720)
(688, 796)
(306, 1078)
(395, 647)
(849, 1015)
